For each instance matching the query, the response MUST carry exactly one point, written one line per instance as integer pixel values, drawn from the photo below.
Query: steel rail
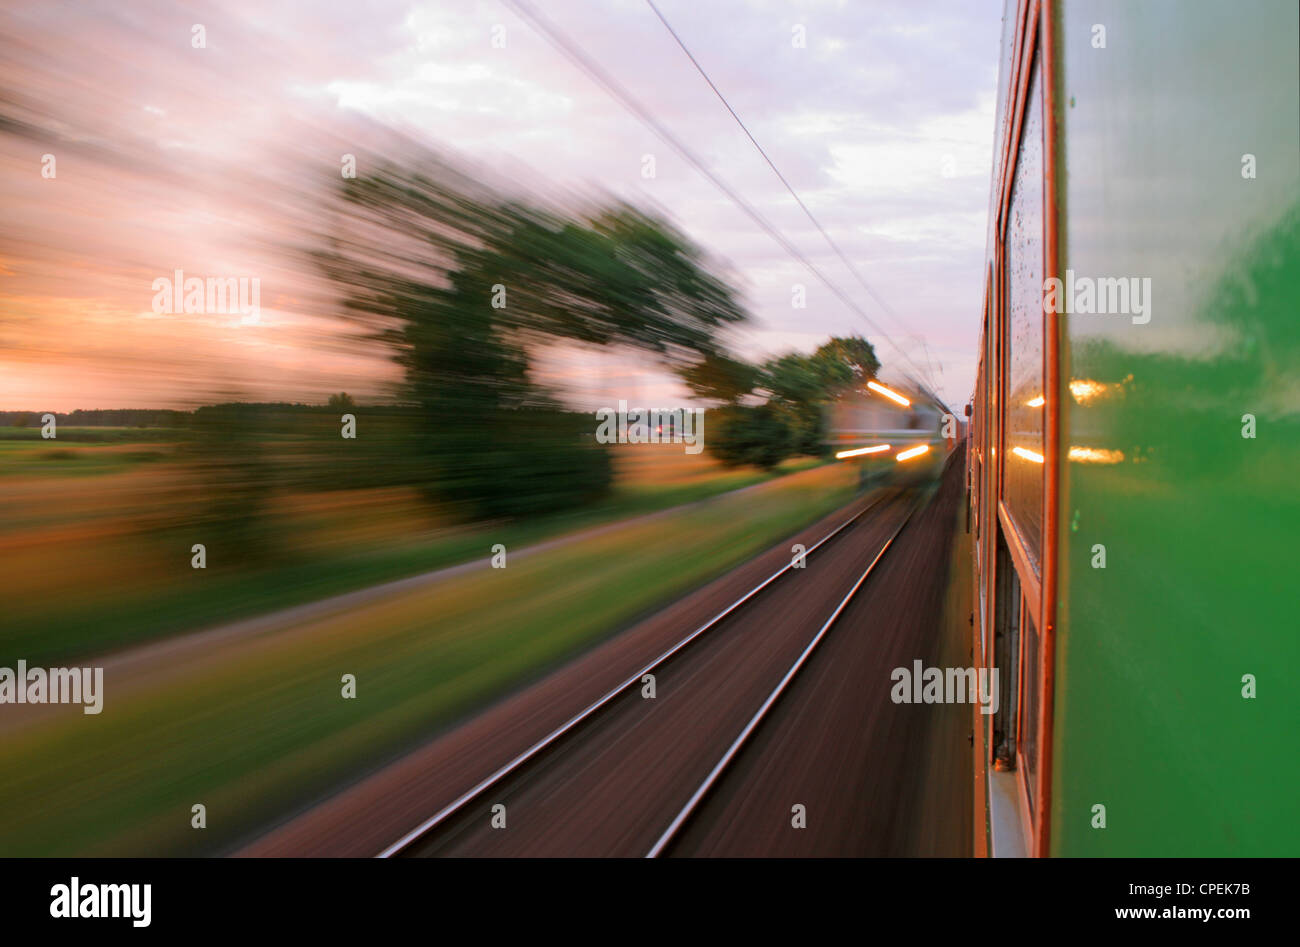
(501, 773)
(709, 781)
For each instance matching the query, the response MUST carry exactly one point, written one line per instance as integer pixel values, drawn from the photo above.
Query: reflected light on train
(1036, 402)
(1085, 390)
(1096, 455)
(861, 450)
(912, 452)
(892, 395)
(1027, 454)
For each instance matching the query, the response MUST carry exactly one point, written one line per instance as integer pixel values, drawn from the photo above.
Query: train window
(1007, 615)
(1029, 711)
(1023, 456)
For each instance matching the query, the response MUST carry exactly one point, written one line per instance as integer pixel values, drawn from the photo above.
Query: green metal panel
(1201, 526)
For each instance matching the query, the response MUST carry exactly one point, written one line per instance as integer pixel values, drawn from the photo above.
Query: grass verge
(158, 601)
(259, 727)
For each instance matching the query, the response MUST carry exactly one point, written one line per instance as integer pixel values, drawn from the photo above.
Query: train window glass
(1023, 456)
(1029, 710)
(1006, 655)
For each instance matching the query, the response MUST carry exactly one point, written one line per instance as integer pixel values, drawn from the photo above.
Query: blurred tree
(463, 284)
(846, 363)
(798, 390)
(749, 435)
(719, 377)
(236, 478)
(341, 402)
(802, 386)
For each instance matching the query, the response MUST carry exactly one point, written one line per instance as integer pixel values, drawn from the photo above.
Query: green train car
(1134, 441)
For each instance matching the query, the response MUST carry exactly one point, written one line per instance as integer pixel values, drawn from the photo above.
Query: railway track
(625, 774)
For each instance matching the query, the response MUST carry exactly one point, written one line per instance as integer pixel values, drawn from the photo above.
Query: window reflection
(1026, 401)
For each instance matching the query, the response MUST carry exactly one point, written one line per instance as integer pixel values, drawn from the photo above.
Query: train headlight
(861, 450)
(892, 395)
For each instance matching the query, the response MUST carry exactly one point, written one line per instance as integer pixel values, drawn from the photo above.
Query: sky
(211, 160)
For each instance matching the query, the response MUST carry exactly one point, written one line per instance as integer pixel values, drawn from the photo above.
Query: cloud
(211, 159)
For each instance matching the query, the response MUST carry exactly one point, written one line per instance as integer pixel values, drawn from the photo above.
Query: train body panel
(1135, 429)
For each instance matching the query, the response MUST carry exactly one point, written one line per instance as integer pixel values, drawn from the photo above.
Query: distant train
(1135, 433)
(894, 434)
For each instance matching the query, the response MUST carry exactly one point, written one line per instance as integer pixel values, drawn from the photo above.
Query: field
(96, 547)
(256, 727)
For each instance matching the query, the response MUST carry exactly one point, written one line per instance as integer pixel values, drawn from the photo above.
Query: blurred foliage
(845, 363)
(719, 377)
(797, 390)
(100, 417)
(754, 435)
(464, 284)
(540, 460)
(801, 386)
(228, 450)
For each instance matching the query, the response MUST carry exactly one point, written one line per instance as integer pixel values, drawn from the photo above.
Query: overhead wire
(793, 193)
(594, 71)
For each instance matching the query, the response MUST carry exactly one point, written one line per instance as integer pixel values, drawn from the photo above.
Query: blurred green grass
(130, 583)
(258, 727)
(36, 457)
(92, 435)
